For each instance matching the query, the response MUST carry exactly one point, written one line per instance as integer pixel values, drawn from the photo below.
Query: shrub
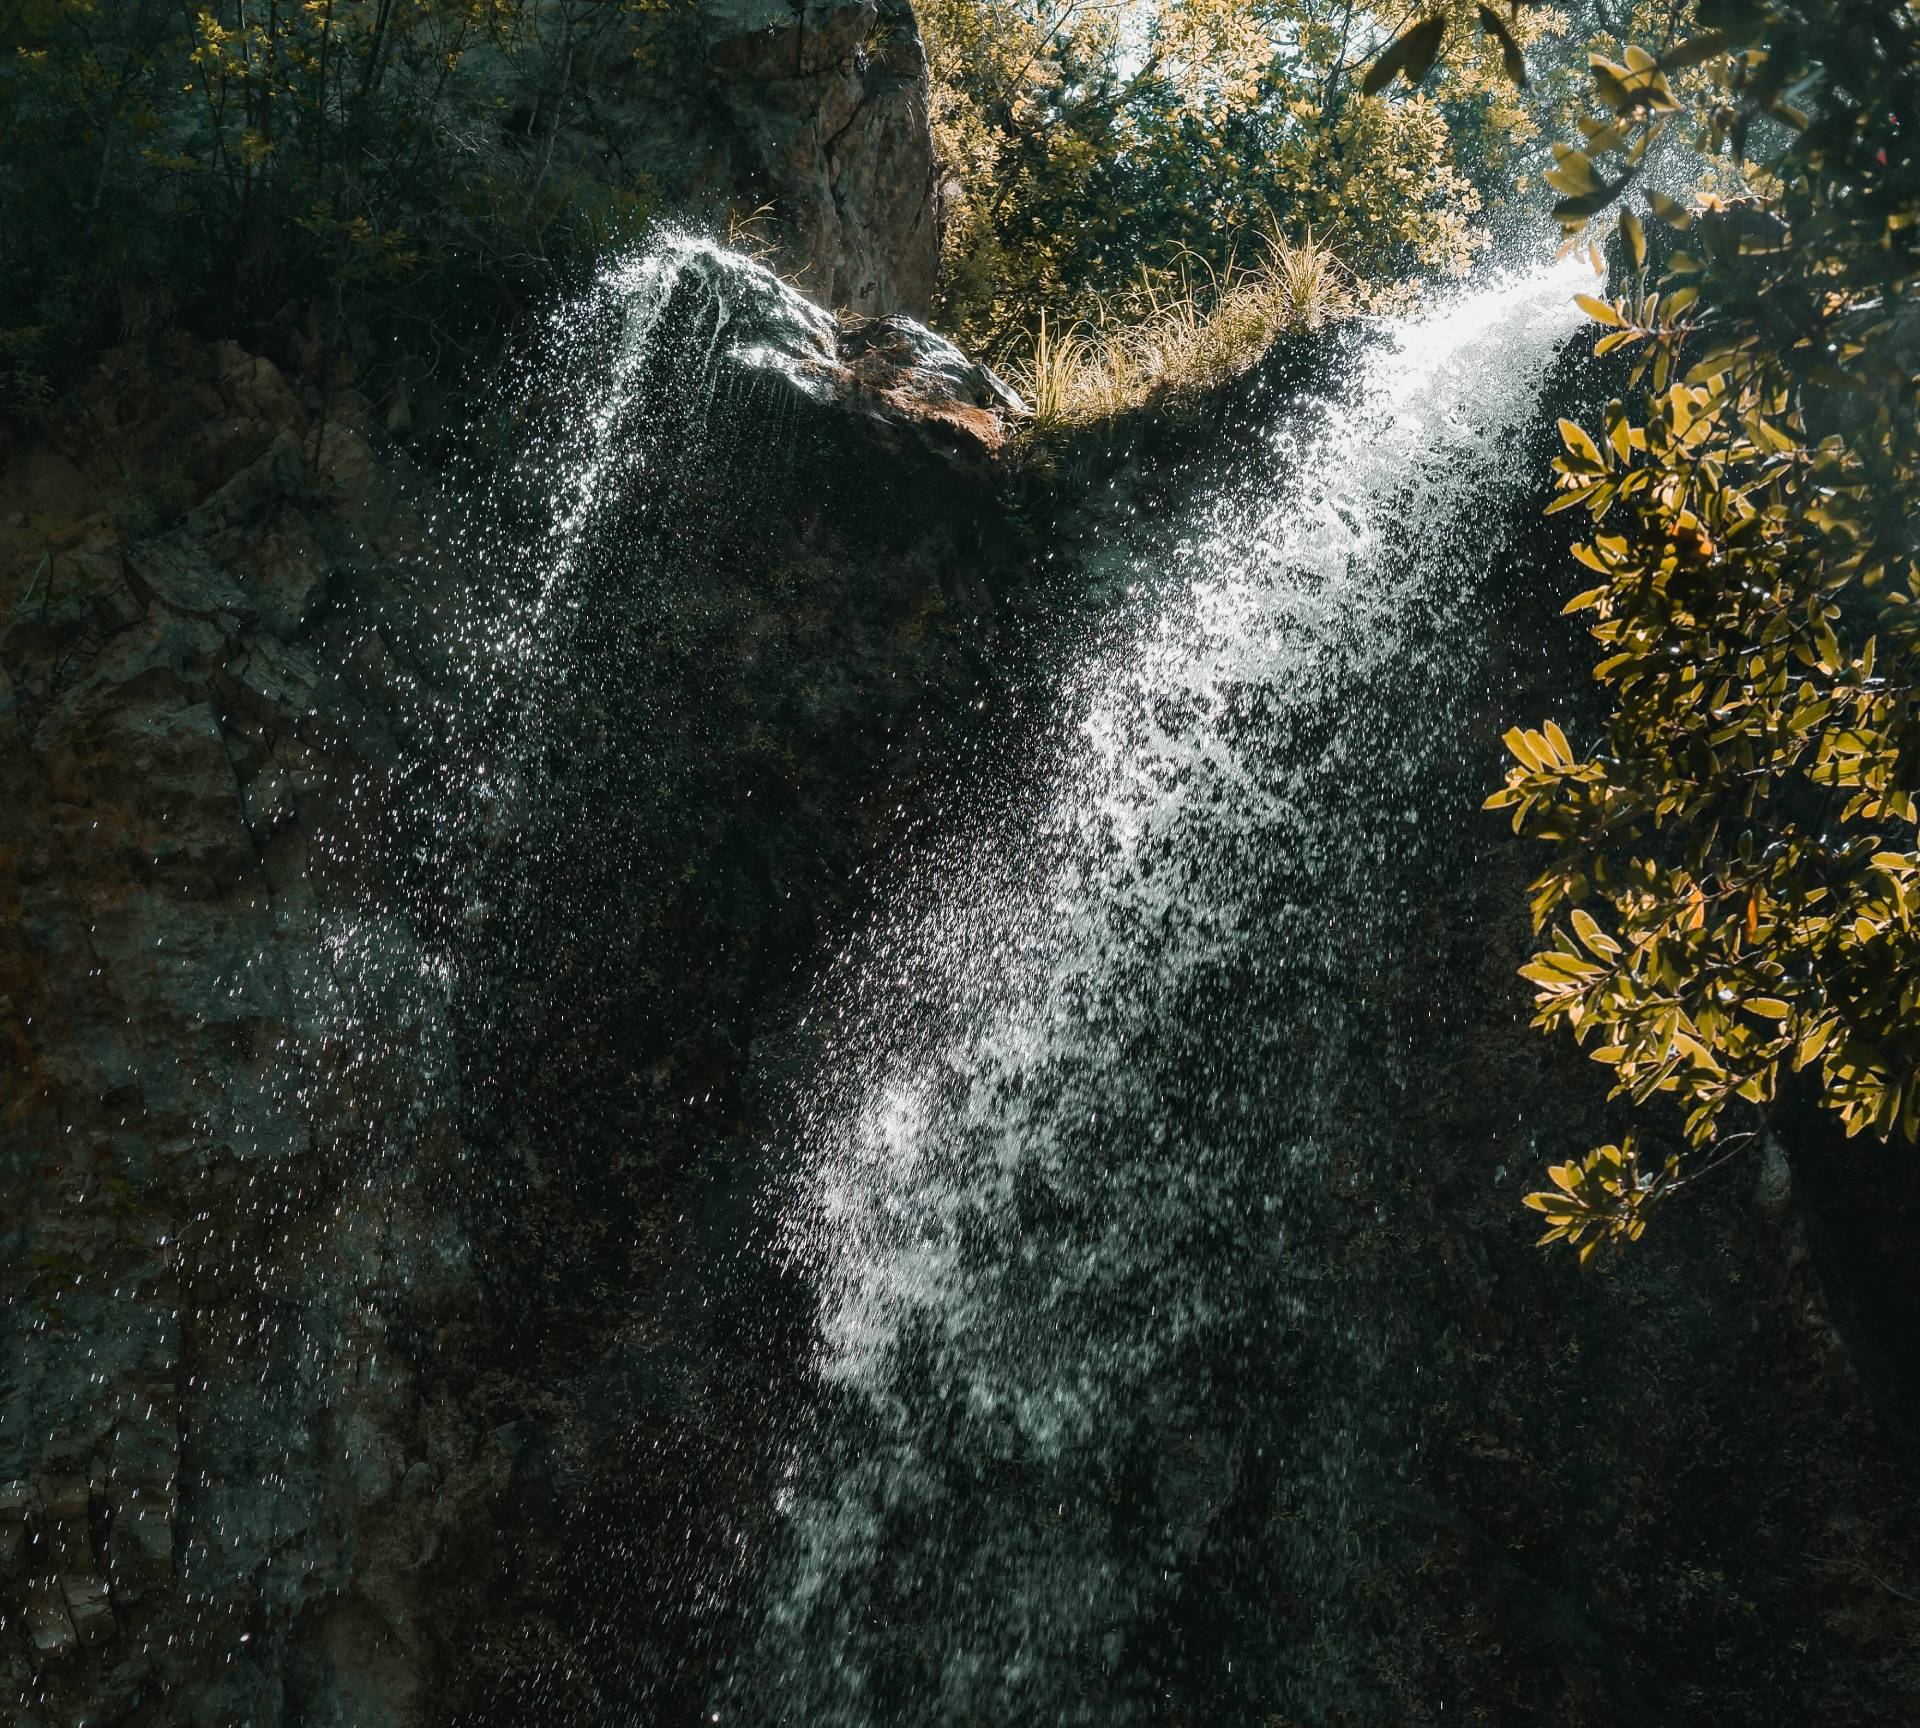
(221, 161)
(1180, 334)
(1735, 887)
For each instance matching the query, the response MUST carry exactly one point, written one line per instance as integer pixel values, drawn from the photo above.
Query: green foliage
(1602, 1198)
(1180, 334)
(1083, 142)
(222, 161)
(1735, 891)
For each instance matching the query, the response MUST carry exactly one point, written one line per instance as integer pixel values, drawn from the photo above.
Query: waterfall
(1094, 1406)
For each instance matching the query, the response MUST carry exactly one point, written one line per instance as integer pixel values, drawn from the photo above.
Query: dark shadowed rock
(273, 1450)
(912, 386)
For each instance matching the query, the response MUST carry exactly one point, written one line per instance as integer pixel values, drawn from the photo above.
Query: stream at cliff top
(1096, 1414)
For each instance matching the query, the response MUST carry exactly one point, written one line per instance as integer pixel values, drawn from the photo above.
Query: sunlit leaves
(1736, 874)
(1602, 1198)
(1075, 157)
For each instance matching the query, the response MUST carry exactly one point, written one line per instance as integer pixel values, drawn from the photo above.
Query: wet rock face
(793, 609)
(191, 746)
(912, 388)
(829, 98)
(319, 1361)
(366, 1357)
(904, 372)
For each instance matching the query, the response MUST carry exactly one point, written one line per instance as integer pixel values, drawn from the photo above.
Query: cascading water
(1094, 1415)
(1094, 1409)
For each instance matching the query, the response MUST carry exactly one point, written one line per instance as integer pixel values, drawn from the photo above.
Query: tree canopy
(1086, 140)
(1734, 896)
(214, 160)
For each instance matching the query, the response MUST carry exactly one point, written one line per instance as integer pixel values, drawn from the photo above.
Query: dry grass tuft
(1179, 335)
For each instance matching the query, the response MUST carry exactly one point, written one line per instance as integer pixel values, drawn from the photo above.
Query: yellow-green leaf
(1581, 447)
(1636, 238)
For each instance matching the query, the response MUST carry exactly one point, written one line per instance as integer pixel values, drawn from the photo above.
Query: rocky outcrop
(796, 127)
(359, 1101)
(912, 389)
(829, 98)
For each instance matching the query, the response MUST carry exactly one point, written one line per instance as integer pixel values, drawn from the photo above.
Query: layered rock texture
(365, 1042)
(178, 709)
(800, 126)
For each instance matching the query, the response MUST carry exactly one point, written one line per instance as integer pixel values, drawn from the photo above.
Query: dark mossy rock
(383, 1052)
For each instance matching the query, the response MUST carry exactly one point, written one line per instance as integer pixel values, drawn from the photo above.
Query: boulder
(910, 385)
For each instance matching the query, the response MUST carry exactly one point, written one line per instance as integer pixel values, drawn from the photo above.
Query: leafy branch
(1734, 896)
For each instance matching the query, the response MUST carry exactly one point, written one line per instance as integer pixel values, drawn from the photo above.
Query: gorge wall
(394, 1058)
(299, 1395)
(802, 124)
(320, 1303)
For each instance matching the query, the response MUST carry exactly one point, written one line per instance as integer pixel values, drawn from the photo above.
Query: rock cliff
(355, 1101)
(291, 1405)
(800, 123)
(829, 102)
(402, 956)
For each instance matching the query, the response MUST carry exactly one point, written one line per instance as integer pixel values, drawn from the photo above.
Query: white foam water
(1088, 1090)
